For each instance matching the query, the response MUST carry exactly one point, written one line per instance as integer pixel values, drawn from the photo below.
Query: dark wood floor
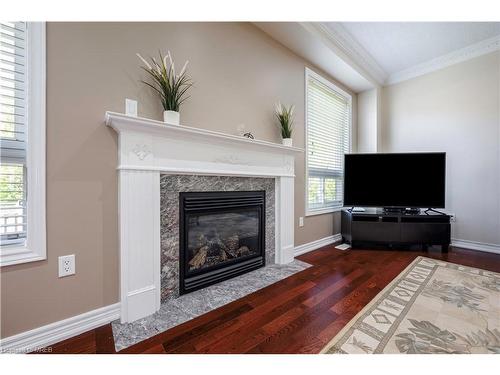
(299, 314)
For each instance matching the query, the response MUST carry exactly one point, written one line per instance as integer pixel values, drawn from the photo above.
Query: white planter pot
(171, 117)
(287, 142)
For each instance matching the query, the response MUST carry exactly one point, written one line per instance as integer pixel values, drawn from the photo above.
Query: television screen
(395, 180)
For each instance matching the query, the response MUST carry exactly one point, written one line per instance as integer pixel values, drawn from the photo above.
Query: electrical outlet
(131, 107)
(453, 218)
(67, 265)
(301, 221)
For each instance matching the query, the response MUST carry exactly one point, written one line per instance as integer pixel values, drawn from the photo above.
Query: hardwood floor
(299, 314)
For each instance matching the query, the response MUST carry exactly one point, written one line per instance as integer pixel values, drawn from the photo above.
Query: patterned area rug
(431, 307)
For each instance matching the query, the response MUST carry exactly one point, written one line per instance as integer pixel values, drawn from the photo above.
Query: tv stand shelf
(376, 227)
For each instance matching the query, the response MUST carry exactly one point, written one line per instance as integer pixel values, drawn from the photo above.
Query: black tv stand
(392, 229)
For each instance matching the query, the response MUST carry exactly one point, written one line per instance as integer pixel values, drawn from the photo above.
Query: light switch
(301, 221)
(131, 107)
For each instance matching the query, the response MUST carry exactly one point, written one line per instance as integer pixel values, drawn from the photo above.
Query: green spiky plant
(171, 88)
(285, 119)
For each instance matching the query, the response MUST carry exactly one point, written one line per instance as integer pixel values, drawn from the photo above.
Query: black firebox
(222, 235)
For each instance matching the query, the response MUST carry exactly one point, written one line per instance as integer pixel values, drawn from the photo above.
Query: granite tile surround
(189, 306)
(170, 187)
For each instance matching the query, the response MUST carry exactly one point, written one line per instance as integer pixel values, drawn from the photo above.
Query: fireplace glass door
(221, 236)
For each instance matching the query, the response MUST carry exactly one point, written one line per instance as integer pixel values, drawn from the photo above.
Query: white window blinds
(13, 122)
(328, 139)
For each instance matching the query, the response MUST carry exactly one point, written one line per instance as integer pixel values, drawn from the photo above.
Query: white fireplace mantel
(148, 148)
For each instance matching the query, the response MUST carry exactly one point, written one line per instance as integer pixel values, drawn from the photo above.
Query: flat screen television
(400, 180)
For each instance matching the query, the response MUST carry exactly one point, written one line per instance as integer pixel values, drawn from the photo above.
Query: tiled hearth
(189, 306)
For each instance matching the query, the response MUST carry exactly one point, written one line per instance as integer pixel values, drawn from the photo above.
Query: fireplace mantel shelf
(121, 122)
(149, 148)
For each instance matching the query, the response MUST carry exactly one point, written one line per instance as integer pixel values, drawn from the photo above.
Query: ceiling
(365, 55)
(397, 46)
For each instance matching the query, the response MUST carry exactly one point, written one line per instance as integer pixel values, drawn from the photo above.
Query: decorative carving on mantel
(232, 159)
(289, 164)
(141, 151)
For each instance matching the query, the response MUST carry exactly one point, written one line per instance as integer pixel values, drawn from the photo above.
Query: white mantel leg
(284, 220)
(139, 200)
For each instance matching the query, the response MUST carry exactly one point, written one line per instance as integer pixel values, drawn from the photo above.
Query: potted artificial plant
(285, 122)
(170, 87)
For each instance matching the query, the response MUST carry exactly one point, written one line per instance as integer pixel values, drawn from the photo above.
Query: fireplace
(221, 235)
(149, 150)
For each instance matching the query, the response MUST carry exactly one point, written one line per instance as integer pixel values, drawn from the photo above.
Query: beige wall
(239, 74)
(457, 110)
(367, 121)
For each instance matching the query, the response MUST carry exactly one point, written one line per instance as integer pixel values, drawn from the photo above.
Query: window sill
(18, 255)
(323, 211)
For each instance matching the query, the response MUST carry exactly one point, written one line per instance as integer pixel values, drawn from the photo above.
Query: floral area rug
(431, 307)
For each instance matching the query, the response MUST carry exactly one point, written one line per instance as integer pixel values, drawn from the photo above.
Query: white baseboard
(310, 246)
(64, 329)
(470, 245)
(473, 245)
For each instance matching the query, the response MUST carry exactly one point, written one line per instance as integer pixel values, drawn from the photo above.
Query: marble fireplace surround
(170, 187)
(148, 149)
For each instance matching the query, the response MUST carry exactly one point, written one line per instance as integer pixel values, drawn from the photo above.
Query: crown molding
(475, 50)
(353, 53)
(339, 39)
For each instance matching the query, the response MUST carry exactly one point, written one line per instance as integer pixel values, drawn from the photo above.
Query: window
(22, 142)
(328, 138)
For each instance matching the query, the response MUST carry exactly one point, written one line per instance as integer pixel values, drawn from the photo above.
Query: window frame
(35, 247)
(310, 73)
